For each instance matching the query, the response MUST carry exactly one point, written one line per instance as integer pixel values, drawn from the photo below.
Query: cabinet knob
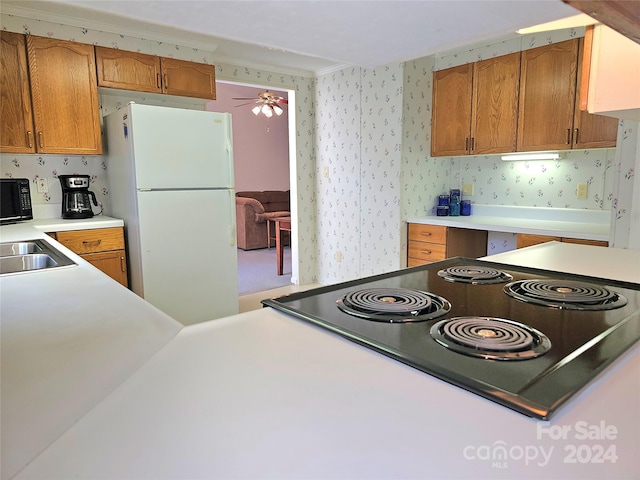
(30, 138)
(40, 140)
(568, 136)
(575, 136)
(426, 234)
(92, 242)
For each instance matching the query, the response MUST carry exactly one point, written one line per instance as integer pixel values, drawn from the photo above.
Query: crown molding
(264, 67)
(66, 19)
(70, 20)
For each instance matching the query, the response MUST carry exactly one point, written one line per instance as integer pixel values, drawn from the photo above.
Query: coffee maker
(76, 197)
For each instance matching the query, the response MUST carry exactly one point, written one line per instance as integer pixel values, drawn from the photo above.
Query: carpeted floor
(257, 270)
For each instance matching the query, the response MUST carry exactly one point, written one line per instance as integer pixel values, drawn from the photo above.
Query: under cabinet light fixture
(531, 156)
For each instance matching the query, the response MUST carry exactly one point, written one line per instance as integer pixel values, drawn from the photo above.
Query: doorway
(264, 159)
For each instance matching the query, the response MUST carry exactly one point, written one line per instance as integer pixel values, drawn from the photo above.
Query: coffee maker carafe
(76, 197)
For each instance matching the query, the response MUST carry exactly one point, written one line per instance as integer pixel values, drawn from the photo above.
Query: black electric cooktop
(527, 339)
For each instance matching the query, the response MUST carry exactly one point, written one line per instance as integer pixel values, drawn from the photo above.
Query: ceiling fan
(267, 103)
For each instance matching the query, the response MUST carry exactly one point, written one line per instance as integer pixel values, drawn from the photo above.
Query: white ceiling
(311, 36)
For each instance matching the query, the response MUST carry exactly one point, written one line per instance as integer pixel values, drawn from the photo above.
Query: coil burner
(490, 338)
(476, 275)
(565, 294)
(393, 305)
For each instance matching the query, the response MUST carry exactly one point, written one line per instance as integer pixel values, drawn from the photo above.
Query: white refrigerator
(170, 178)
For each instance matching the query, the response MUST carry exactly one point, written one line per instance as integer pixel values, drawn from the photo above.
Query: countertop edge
(586, 231)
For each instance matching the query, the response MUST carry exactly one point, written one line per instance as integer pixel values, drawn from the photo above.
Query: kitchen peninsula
(100, 384)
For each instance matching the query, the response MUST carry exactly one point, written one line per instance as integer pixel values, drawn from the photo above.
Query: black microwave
(15, 200)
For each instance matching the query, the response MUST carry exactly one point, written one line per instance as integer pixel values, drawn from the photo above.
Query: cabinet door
(128, 70)
(451, 118)
(64, 93)
(16, 129)
(547, 97)
(529, 239)
(494, 120)
(188, 79)
(113, 264)
(589, 130)
(581, 241)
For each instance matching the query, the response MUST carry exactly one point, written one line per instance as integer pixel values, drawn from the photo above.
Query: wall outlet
(326, 172)
(467, 188)
(582, 191)
(338, 256)
(43, 186)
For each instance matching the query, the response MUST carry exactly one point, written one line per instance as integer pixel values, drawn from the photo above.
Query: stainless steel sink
(19, 248)
(29, 256)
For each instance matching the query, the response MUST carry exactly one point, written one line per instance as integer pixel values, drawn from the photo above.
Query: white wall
(260, 144)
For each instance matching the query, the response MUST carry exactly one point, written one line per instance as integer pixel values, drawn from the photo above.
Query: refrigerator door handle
(229, 148)
(232, 227)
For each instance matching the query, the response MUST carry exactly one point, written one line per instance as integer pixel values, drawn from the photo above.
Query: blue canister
(443, 200)
(442, 211)
(465, 207)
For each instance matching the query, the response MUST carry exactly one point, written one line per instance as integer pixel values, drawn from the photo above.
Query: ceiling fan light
(256, 110)
(267, 110)
(277, 109)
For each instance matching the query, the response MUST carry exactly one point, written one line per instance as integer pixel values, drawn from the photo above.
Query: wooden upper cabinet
(494, 108)
(64, 95)
(475, 107)
(16, 128)
(149, 73)
(188, 79)
(451, 115)
(128, 70)
(547, 97)
(589, 130)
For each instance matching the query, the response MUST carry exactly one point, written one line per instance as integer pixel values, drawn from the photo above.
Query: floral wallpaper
(359, 138)
(50, 166)
(626, 196)
(362, 163)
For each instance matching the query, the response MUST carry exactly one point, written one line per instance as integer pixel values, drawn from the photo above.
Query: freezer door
(188, 253)
(179, 148)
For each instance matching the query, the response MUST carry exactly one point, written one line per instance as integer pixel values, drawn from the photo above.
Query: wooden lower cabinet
(527, 240)
(431, 243)
(104, 248)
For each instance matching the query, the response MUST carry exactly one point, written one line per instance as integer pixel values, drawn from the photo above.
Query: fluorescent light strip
(530, 156)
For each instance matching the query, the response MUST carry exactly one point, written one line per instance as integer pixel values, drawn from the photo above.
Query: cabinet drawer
(96, 240)
(427, 233)
(427, 251)
(415, 262)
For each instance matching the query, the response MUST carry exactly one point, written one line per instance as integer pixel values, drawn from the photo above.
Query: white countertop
(613, 263)
(69, 337)
(565, 222)
(264, 395)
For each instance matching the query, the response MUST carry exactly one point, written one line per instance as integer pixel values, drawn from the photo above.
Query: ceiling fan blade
(243, 104)
(243, 98)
